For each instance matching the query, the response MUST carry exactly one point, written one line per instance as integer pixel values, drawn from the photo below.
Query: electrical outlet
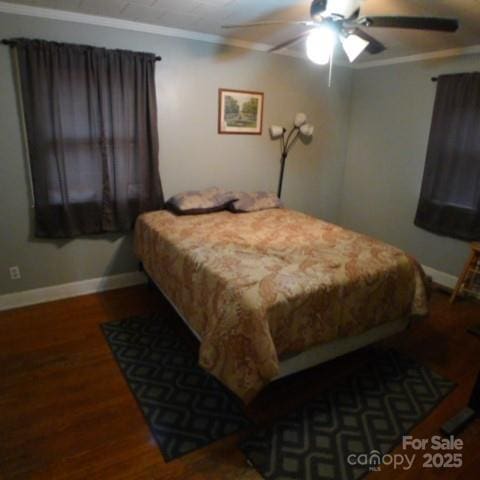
(14, 273)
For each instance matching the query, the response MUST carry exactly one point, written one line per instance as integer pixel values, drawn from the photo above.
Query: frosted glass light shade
(320, 43)
(354, 46)
(300, 119)
(306, 129)
(276, 131)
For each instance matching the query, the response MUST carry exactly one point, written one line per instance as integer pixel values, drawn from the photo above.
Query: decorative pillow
(252, 202)
(200, 201)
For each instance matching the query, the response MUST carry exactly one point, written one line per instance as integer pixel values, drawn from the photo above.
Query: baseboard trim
(73, 289)
(101, 284)
(442, 278)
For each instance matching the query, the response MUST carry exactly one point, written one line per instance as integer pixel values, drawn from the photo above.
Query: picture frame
(240, 112)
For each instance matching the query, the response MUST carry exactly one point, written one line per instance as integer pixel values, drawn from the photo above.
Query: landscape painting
(240, 111)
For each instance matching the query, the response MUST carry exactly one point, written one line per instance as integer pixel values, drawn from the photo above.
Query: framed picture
(240, 111)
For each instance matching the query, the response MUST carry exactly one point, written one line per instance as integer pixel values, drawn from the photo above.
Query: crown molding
(451, 52)
(67, 16)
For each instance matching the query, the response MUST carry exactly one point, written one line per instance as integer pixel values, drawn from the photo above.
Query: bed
(274, 291)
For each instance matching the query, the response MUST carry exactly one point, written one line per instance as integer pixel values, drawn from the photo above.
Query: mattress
(261, 286)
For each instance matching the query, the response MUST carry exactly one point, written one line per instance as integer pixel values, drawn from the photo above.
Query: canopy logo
(374, 459)
(445, 453)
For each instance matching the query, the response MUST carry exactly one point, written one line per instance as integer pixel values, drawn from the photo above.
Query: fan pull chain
(330, 70)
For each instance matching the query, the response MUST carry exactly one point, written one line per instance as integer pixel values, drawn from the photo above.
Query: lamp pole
(282, 168)
(286, 146)
(300, 126)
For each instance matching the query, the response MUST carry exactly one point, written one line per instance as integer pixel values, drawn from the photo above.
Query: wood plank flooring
(67, 413)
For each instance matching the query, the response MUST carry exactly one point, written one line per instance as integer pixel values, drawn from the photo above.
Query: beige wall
(192, 154)
(389, 126)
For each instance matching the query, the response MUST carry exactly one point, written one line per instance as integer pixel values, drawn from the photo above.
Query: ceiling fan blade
(307, 23)
(417, 23)
(354, 15)
(290, 42)
(374, 46)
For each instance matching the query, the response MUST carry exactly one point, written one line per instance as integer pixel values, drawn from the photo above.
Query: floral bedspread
(256, 286)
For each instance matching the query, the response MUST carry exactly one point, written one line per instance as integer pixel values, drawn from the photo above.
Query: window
(91, 121)
(450, 196)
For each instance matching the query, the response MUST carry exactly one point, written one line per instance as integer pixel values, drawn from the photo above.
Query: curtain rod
(12, 43)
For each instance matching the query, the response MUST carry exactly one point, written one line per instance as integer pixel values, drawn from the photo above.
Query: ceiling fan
(340, 19)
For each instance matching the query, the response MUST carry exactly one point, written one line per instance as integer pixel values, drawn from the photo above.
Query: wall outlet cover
(14, 273)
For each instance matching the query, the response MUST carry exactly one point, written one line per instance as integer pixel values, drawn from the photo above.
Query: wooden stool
(469, 274)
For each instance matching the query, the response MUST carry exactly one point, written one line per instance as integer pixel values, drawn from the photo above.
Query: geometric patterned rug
(368, 413)
(185, 407)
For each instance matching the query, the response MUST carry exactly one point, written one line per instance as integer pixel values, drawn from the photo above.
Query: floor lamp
(300, 127)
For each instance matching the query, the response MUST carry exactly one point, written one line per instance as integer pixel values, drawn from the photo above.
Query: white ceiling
(207, 16)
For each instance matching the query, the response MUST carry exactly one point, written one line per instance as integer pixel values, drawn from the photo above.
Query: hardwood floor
(67, 413)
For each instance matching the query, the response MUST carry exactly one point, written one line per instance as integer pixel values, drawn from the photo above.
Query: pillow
(200, 201)
(252, 202)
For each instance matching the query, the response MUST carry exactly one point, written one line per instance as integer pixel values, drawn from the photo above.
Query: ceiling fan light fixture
(343, 19)
(354, 46)
(320, 44)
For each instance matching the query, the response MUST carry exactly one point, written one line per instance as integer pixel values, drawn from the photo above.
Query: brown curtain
(450, 197)
(91, 122)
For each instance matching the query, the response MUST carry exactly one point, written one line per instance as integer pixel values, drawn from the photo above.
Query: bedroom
(67, 410)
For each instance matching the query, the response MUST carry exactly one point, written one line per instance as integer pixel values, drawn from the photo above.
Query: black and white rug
(369, 413)
(185, 407)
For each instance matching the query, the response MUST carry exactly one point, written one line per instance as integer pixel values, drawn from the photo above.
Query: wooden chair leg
(462, 278)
